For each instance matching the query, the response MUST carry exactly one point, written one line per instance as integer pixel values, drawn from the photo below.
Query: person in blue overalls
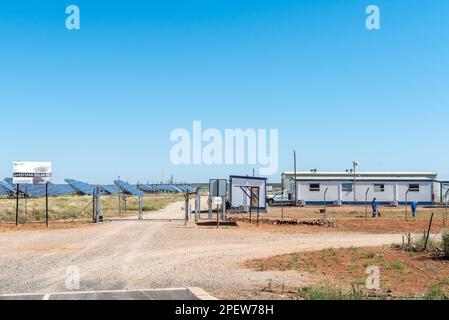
(414, 205)
(374, 206)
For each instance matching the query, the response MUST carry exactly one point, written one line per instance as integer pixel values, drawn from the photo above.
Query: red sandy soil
(402, 274)
(347, 225)
(345, 222)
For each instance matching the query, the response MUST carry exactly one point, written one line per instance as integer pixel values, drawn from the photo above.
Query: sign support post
(218, 217)
(17, 205)
(224, 218)
(46, 204)
(209, 203)
(218, 192)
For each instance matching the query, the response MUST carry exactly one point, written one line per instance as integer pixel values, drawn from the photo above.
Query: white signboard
(31, 172)
(218, 201)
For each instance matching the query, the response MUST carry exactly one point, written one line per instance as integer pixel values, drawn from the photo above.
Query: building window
(346, 187)
(314, 187)
(413, 187)
(379, 187)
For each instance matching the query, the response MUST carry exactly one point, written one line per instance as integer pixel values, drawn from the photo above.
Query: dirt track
(150, 254)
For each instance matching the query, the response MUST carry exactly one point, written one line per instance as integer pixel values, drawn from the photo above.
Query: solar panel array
(127, 188)
(6, 187)
(38, 190)
(59, 189)
(89, 189)
(75, 186)
(81, 187)
(111, 189)
(4, 191)
(33, 190)
(166, 188)
(146, 188)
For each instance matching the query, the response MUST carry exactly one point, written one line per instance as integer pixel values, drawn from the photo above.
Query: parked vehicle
(278, 198)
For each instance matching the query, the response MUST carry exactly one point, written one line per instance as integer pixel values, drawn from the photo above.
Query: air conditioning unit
(393, 204)
(336, 203)
(301, 203)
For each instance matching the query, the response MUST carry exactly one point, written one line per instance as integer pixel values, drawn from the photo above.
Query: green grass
(352, 267)
(420, 243)
(329, 252)
(436, 292)
(294, 262)
(367, 255)
(261, 266)
(330, 292)
(396, 265)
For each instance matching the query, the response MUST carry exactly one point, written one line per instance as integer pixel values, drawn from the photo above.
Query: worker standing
(374, 206)
(414, 205)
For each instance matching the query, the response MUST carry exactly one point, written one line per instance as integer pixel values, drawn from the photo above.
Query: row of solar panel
(166, 188)
(5, 189)
(89, 189)
(75, 186)
(127, 188)
(37, 190)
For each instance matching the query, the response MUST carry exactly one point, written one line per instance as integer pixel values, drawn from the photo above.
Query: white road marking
(198, 292)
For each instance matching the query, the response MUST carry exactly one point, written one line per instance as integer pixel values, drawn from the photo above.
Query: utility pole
(296, 188)
(282, 202)
(354, 164)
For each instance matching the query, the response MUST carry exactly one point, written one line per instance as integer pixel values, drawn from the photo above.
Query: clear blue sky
(102, 101)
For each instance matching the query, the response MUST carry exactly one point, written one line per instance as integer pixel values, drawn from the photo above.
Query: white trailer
(389, 189)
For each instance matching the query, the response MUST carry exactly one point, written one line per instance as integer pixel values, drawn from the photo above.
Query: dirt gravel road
(156, 254)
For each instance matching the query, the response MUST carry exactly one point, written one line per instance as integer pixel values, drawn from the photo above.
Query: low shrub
(330, 292)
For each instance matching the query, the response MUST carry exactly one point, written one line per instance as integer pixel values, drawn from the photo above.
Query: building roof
(363, 175)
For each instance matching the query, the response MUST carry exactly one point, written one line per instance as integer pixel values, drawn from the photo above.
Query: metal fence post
(186, 205)
(366, 204)
(97, 201)
(406, 204)
(324, 203)
(140, 207)
(209, 204)
(445, 208)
